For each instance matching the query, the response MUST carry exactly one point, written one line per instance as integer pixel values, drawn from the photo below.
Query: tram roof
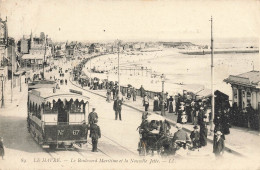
(61, 94)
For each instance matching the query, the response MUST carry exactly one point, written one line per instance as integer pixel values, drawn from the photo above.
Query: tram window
(30, 107)
(73, 107)
(55, 107)
(82, 106)
(248, 97)
(33, 109)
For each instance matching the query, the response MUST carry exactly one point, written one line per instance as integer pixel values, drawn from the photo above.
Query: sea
(180, 69)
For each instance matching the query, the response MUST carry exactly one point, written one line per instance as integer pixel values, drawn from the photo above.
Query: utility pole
(20, 82)
(163, 109)
(118, 69)
(44, 56)
(212, 80)
(2, 79)
(12, 73)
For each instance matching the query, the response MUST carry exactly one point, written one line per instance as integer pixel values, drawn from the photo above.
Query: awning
(204, 93)
(194, 88)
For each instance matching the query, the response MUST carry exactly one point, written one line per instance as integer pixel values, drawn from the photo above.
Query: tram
(57, 118)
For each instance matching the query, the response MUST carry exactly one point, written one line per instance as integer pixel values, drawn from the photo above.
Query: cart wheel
(52, 146)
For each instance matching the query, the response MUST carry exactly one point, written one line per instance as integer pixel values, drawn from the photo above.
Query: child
(2, 150)
(195, 137)
(183, 118)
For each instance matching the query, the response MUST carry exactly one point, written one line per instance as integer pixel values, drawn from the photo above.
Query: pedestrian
(183, 117)
(142, 91)
(93, 116)
(128, 93)
(226, 121)
(108, 95)
(167, 101)
(113, 92)
(203, 133)
(95, 134)
(66, 81)
(218, 148)
(146, 102)
(117, 108)
(170, 104)
(193, 112)
(134, 94)
(195, 137)
(218, 124)
(201, 114)
(182, 109)
(156, 103)
(2, 149)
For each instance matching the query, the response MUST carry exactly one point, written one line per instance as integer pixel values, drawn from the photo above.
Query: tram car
(57, 118)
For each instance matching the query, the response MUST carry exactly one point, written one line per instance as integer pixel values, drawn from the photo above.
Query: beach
(179, 69)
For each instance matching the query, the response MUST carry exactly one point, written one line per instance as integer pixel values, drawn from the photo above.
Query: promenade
(238, 142)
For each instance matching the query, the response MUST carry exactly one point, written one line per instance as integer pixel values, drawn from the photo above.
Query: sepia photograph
(129, 84)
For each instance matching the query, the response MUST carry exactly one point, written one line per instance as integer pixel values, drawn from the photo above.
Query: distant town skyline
(131, 21)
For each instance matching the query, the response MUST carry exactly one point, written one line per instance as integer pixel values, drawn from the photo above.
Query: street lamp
(118, 64)
(162, 109)
(2, 79)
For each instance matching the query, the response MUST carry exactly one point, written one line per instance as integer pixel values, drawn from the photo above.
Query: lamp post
(162, 109)
(118, 69)
(20, 82)
(2, 79)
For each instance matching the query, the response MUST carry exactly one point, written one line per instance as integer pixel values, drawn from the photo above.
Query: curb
(228, 149)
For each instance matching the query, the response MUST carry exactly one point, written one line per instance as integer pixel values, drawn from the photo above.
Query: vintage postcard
(117, 84)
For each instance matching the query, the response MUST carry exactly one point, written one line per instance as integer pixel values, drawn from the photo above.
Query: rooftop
(251, 78)
(62, 94)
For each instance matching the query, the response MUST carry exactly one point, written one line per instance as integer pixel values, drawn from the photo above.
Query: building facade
(245, 89)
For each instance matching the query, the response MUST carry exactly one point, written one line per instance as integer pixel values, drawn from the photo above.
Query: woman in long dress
(156, 103)
(203, 133)
(170, 104)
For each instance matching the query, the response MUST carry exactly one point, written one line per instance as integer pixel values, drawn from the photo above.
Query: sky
(106, 20)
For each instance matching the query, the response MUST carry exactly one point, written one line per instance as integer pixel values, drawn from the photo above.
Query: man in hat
(180, 134)
(95, 134)
(201, 114)
(195, 137)
(142, 91)
(93, 116)
(117, 107)
(134, 94)
(218, 148)
(2, 150)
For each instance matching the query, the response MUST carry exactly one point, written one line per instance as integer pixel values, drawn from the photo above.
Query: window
(235, 94)
(248, 96)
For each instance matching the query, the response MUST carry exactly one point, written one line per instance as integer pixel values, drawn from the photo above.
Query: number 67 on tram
(57, 118)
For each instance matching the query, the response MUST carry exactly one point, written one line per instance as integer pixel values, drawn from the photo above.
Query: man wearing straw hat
(218, 148)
